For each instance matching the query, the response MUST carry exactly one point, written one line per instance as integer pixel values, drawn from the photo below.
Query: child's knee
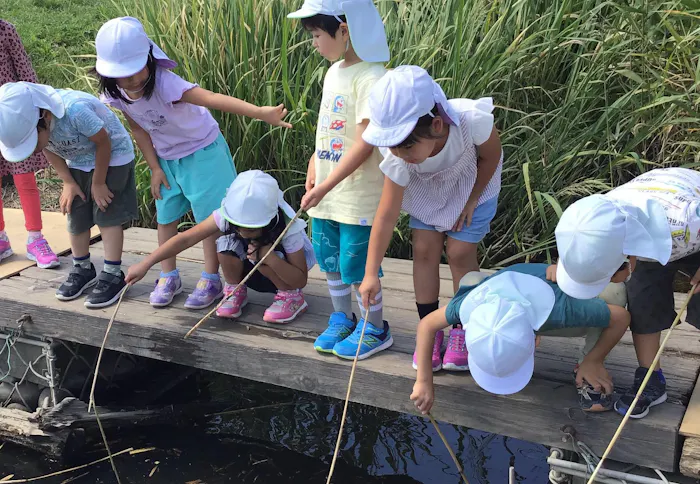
(619, 316)
(461, 254)
(424, 251)
(472, 278)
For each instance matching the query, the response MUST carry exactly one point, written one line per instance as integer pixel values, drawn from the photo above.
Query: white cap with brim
(500, 317)
(364, 23)
(122, 49)
(397, 100)
(253, 200)
(595, 234)
(20, 105)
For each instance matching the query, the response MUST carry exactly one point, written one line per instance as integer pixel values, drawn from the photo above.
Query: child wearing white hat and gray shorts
(651, 225)
(442, 165)
(504, 315)
(190, 161)
(93, 155)
(251, 217)
(343, 182)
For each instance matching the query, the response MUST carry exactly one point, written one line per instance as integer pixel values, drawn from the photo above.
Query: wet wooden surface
(284, 355)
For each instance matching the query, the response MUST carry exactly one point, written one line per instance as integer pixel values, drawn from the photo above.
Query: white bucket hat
(253, 200)
(594, 236)
(398, 100)
(20, 103)
(500, 317)
(122, 49)
(364, 23)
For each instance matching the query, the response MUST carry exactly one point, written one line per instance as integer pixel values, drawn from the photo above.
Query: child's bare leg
(646, 346)
(80, 244)
(113, 241)
(427, 251)
(211, 260)
(461, 256)
(232, 267)
(165, 233)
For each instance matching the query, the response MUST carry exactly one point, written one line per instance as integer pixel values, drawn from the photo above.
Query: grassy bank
(589, 93)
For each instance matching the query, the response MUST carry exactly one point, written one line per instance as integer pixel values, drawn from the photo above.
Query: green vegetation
(590, 93)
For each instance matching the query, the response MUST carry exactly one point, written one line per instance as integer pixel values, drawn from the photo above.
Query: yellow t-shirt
(345, 104)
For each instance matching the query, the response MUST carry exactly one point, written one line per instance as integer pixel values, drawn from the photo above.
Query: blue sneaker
(654, 394)
(375, 340)
(339, 328)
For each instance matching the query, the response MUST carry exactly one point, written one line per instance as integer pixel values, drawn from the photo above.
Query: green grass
(54, 31)
(589, 93)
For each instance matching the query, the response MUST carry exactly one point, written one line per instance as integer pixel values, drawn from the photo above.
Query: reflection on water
(274, 435)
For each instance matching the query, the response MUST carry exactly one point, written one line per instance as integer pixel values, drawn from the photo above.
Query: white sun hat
(20, 104)
(122, 49)
(595, 234)
(253, 200)
(398, 100)
(500, 318)
(364, 23)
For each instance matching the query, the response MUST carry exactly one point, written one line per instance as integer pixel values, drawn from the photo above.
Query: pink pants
(29, 198)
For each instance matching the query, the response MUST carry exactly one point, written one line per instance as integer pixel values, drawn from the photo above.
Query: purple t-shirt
(177, 129)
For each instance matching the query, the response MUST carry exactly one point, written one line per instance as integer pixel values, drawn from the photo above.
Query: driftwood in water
(59, 431)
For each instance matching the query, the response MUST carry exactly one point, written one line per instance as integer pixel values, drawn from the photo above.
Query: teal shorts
(341, 248)
(197, 182)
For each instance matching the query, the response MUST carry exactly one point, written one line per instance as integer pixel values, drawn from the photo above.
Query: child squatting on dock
(252, 216)
(93, 155)
(190, 161)
(505, 314)
(653, 222)
(442, 165)
(344, 182)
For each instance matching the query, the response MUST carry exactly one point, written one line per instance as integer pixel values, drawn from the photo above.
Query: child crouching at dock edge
(504, 316)
(252, 216)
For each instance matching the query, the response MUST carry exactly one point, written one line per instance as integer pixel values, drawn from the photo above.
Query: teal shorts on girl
(341, 248)
(198, 182)
(475, 233)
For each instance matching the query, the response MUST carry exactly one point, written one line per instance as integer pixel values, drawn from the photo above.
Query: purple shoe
(206, 292)
(165, 291)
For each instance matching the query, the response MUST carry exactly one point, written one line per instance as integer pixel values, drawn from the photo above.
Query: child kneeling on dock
(505, 314)
(252, 216)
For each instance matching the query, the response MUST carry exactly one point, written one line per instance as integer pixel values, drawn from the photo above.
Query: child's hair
(109, 84)
(42, 122)
(270, 232)
(423, 129)
(327, 23)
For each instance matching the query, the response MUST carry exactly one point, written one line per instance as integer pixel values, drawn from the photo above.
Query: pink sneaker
(40, 252)
(437, 347)
(456, 355)
(233, 307)
(287, 306)
(5, 249)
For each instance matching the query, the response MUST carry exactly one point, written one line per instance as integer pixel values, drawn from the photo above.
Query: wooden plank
(690, 427)
(690, 458)
(54, 229)
(284, 357)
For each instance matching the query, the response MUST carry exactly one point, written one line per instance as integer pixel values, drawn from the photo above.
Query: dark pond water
(273, 435)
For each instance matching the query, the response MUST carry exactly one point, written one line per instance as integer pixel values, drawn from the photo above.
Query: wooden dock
(284, 355)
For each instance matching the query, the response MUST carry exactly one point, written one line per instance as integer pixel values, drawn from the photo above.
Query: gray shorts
(650, 295)
(121, 181)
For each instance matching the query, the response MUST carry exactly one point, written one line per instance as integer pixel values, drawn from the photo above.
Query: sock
(3, 235)
(113, 267)
(427, 308)
(340, 294)
(33, 235)
(375, 311)
(211, 277)
(174, 273)
(82, 262)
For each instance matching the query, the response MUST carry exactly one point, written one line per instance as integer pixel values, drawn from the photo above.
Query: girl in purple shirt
(191, 164)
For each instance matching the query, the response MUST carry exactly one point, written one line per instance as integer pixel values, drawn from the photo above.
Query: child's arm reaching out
(423, 392)
(273, 115)
(358, 154)
(177, 244)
